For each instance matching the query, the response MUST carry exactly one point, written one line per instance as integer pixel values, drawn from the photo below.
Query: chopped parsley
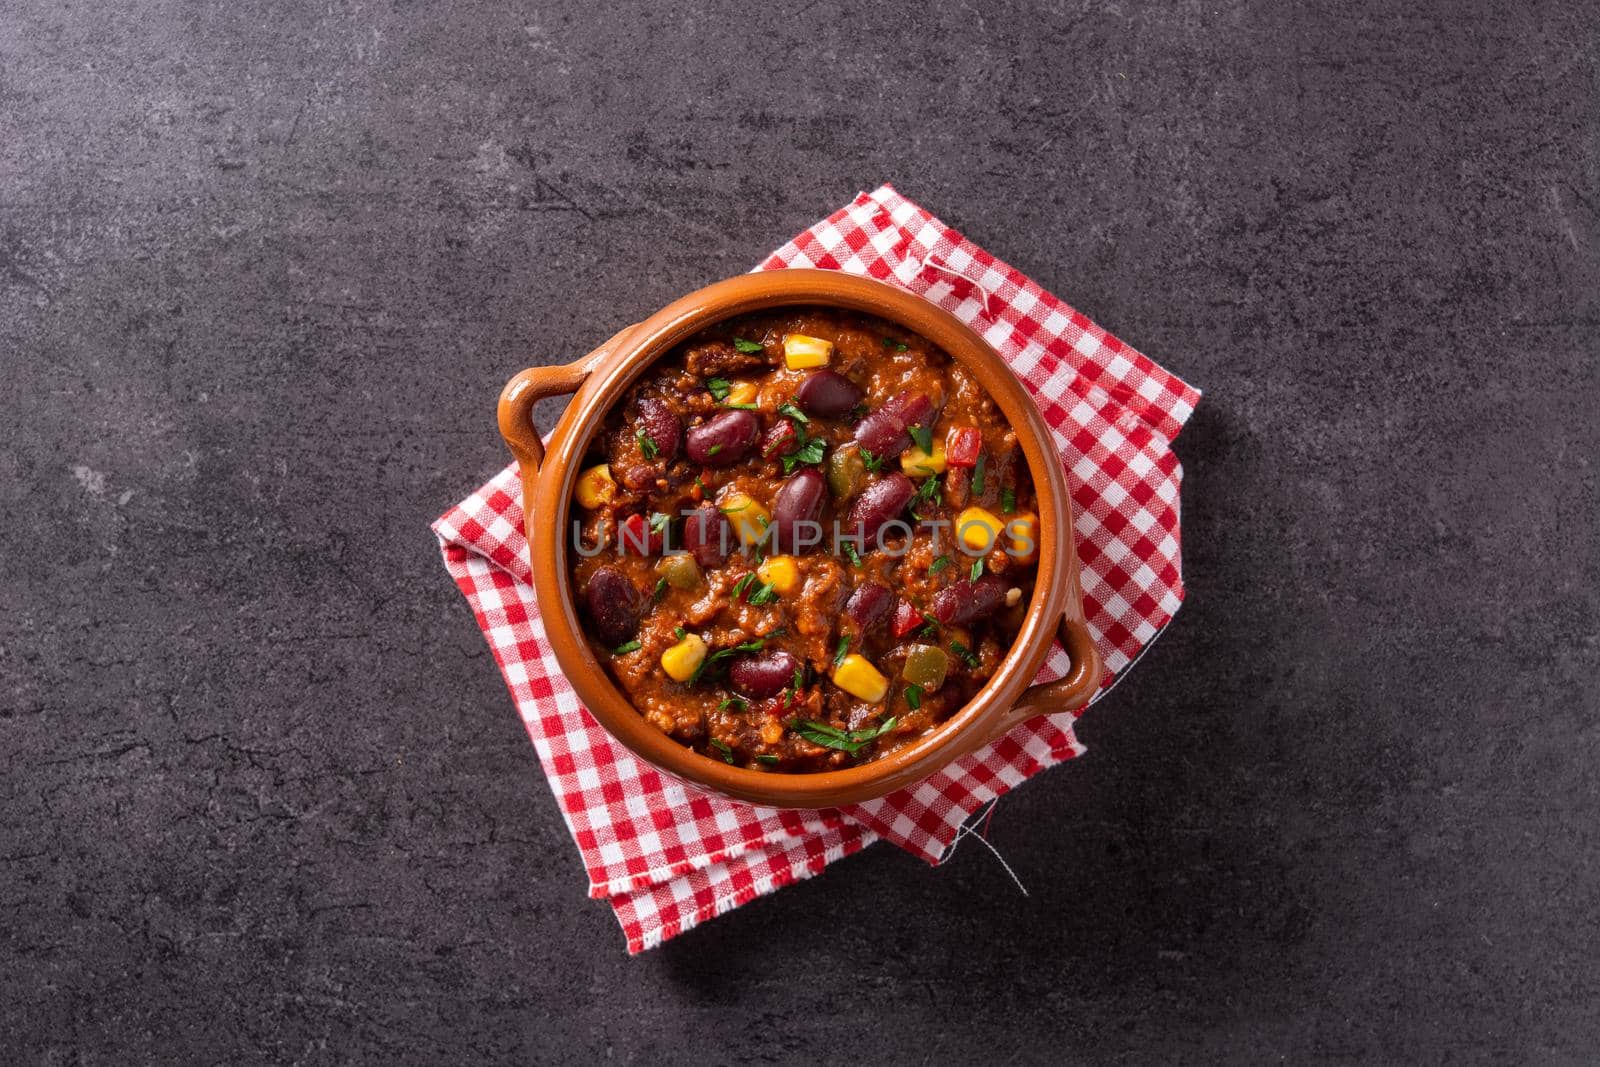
(977, 476)
(741, 407)
(715, 660)
(736, 703)
(939, 564)
(742, 584)
(713, 450)
(659, 521)
(969, 657)
(923, 436)
(647, 444)
(799, 681)
(765, 595)
(927, 493)
(810, 452)
(930, 626)
(913, 697)
(793, 412)
(660, 589)
(872, 463)
(842, 651)
(851, 741)
(623, 650)
(890, 342)
(977, 568)
(719, 388)
(768, 760)
(1008, 500)
(733, 511)
(679, 632)
(850, 550)
(722, 747)
(747, 346)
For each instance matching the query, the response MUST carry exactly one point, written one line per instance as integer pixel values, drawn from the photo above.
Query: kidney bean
(879, 504)
(613, 605)
(883, 432)
(827, 393)
(763, 675)
(966, 601)
(779, 440)
(798, 501)
(707, 536)
(722, 440)
(662, 425)
(869, 604)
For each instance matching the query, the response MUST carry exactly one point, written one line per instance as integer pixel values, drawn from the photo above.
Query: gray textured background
(264, 266)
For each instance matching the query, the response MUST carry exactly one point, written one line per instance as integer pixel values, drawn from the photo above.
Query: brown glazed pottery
(599, 380)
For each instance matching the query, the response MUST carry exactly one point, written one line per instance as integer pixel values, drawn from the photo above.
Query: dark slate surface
(264, 266)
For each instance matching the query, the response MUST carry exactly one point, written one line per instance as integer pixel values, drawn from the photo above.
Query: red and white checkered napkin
(667, 857)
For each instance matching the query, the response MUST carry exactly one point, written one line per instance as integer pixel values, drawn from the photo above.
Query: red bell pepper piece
(636, 537)
(962, 446)
(906, 619)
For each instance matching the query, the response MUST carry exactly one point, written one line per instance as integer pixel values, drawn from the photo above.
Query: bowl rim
(638, 348)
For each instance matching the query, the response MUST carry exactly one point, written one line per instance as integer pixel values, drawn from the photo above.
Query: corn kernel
(978, 529)
(741, 393)
(801, 352)
(856, 675)
(748, 517)
(780, 572)
(1024, 532)
(595, 487)
(684, 658)
(918, 464)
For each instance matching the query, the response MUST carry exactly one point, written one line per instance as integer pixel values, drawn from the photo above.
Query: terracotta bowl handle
(530, 386)
(1064, 694)
(525, 389)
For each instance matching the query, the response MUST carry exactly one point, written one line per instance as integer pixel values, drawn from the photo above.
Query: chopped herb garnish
(741, 407)
(679, 632)
(799, 681)
(850, 550)
(742, 584)
(715, 660)
(793, 412)
(1008, 500)
(913, 697)
(722, 747)
(736, 703)
(930, 626)
(842, 651)
(623, 650)
(872, 463)
(659, 521)
(719, 388)
(939, 564)
(890, 342)
(733, 511)
(967, 655)
(765, 595)
(923, 436)
(977, 476)
(660, 589)
(713, 450)
(810, 452)
(851, 741)
(977, 568)
(747, 346)
(768, 760)
(647, 444)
